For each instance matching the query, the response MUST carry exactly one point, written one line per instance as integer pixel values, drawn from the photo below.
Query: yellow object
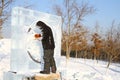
(52, 76)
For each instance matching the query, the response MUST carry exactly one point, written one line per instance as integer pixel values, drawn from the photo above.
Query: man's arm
(51, 39)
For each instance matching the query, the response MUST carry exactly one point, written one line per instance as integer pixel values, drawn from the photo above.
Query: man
(48, 47)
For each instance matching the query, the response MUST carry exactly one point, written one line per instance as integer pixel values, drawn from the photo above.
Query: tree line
(79, 42)
(94, 46)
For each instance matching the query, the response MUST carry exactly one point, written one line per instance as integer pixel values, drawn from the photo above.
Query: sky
(106, 10)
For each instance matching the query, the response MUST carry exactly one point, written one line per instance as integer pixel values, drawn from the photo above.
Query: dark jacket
(48, 40)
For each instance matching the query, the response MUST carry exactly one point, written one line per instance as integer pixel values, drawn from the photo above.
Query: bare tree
(112, 45)
(4, 12)
(79, 41)
(72, 14)
(97, 45)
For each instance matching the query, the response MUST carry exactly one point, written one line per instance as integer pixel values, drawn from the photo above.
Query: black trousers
(49, 61)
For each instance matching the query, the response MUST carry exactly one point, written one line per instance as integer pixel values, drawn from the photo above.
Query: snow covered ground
(80, 69)
(74, 69)
(4, 56)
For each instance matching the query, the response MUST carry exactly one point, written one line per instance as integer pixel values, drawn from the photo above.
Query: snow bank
(4, 56)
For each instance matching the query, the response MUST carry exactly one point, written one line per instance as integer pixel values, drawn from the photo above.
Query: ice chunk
(23, 31)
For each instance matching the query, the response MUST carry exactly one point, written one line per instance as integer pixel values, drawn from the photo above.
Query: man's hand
(37, 36)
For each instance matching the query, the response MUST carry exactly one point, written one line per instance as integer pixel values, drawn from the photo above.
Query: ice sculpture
(22, 40)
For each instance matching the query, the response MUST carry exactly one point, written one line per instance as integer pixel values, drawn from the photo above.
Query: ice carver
(48, 48)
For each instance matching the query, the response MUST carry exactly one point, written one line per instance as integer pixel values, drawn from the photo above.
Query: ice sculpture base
(30, 76)
(18, 76)
(52, 76)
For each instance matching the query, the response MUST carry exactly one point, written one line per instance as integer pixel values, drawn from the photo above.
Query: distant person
(48, 48)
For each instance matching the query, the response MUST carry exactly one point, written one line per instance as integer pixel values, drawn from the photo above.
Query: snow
(4, 56)
(73, 69)
(77, 69)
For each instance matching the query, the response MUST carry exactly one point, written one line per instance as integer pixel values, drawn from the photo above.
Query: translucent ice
(23, 31)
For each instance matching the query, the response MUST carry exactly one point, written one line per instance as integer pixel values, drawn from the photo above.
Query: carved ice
(22, 40)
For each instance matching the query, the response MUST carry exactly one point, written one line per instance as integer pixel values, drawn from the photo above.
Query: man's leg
(46, 62)
(52, 62)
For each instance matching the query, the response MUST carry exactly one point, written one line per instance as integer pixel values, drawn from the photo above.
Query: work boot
(44, 72)
(46, 68)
